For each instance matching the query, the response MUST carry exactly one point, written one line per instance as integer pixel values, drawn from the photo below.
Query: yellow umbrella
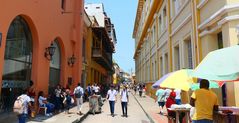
(180, 79)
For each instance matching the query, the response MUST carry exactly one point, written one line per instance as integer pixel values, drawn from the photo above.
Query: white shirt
(96, 89)
(124, 94)
(26, 100)
(178, 93)
(41, 99)
(112, 95)
(80, 88)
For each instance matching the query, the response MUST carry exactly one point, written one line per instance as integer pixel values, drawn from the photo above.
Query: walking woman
(124, 100)
(111, 96)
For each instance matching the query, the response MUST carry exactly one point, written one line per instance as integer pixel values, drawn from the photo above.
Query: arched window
(17, 61)
(55, 65)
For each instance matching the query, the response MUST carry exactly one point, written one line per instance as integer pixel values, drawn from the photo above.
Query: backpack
(78, 93)
(18, 106)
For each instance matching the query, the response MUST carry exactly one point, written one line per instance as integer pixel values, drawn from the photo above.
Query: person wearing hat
(111, 96)
(170, 101)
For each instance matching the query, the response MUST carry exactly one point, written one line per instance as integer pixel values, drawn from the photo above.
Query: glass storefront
(17, 63)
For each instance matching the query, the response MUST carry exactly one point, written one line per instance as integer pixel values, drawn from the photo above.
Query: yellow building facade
(174, 34)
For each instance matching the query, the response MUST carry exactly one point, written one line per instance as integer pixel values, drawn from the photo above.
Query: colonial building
(100, 46)
(39, 41)
(175, 34)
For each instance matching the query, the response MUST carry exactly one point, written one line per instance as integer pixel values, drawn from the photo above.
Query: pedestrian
(97, 89)
(161, 94)
(111, 96)
(205, 102)
(58, 97)
(124, 100)
(135, 89)
(140, 90)
(31, 93)
(170, 101)
(44, 103)
(178, 96)
(67, 101)
(25, 99)
(78, 92)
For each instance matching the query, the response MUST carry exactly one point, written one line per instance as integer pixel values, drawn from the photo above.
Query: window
(159, 25)
(176, 58)
(84, 50)
(220, 40)
(164, 17)
(63, 4)
(55, 65)
(161, 67)
(188, 53)
(166, 62)
(97, 7)
(176, 6)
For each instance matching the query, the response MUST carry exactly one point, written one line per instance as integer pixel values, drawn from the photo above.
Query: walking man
(205, 102)
(78, 92)
(161, 95)
(124, 100)
(111, 96)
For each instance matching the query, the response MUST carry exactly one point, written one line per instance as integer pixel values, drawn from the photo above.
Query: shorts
(161, 104)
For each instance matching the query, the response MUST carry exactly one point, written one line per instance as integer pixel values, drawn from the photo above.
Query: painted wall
(47, 21)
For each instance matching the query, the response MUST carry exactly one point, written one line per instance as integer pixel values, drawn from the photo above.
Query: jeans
(178, 101)
(202, 121)
(124, 107)
(112, 106)
(50, 107)
(58, 103)
(22, 118)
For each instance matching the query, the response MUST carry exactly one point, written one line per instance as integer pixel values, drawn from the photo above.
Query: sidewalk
(73, 117)
(63, 117)
(151, 109)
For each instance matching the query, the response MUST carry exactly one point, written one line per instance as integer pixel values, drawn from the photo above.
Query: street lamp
(49, 52)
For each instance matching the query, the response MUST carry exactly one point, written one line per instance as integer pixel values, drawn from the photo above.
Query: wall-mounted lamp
(50, 52)
(71, 60)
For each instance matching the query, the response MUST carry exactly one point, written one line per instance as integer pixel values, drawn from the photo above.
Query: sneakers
(48, 115)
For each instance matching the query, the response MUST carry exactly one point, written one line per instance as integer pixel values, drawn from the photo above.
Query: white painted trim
(179, 11)
(217, 14)
(206, 32)
(228, 18)
(201, 4)
(220, 23)
(185, 21)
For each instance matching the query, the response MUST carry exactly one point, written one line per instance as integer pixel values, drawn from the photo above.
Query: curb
(79, 120)
(150, 118)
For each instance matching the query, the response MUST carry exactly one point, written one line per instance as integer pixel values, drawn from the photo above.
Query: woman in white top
(124, 101)
(111, 96)
(44, 103)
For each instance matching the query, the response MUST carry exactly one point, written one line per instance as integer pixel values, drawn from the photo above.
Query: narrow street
(135, 113)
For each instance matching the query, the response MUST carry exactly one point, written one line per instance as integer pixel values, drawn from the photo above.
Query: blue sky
(122, 14)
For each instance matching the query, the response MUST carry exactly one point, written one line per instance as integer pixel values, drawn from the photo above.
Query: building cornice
(217, 14)
(147, 23)
(138, 16)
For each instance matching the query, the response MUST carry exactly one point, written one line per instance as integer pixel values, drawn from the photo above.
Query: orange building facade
(27, 29)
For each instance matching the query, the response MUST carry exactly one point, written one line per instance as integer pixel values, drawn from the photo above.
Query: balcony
(103, 58)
